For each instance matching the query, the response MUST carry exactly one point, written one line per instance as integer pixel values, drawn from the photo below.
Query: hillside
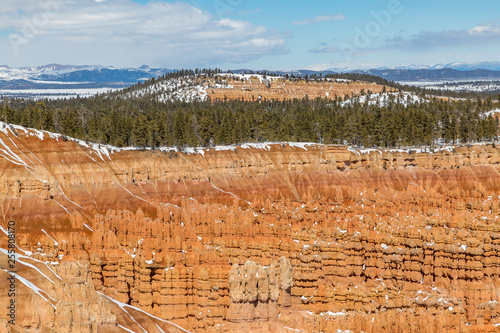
(249, 87)
(270, 237)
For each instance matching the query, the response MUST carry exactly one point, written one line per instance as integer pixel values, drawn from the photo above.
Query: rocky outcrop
(258, 292)
(79, 308)
(251, 87)
(60, 297)
(265, 238)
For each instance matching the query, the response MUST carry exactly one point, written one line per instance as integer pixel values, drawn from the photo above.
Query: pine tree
(139, 131)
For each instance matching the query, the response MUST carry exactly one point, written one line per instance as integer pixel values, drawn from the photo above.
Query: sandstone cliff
(253, 238)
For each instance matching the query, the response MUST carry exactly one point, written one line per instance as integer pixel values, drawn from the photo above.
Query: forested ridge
(143, 122)
(315, 77)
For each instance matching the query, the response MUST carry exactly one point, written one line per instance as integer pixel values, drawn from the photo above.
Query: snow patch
(55, 242)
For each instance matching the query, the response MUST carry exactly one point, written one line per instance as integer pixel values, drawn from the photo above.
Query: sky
(252, 34)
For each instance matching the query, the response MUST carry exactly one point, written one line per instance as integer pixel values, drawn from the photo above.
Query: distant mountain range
(434, 75)
(56, 76)
(68, 76)
(469, 66)
(406, 75)
(416, 73)
(459, 66)
(456, 71)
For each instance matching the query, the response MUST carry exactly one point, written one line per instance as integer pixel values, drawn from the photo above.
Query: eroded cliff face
(265, 238)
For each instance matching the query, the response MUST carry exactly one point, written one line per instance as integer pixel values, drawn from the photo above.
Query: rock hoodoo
(252, 238)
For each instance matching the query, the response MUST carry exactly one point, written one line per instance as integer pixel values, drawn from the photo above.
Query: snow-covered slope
(381, 100)
(72, 74)
(468, 86)
(31, 73)
(182, 89)
(193, 88)
(61, 81)
(467, 66)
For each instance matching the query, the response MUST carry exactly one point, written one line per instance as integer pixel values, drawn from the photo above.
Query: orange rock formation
(309, 238)
(251, 88)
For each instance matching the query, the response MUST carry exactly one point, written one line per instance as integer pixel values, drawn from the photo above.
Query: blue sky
(252, 34)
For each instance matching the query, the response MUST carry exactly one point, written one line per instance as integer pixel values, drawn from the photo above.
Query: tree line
(143, 122)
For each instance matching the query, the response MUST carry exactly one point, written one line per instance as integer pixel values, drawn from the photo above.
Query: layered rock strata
(271, 237)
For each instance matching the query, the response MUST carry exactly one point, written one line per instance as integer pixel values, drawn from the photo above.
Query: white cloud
(124, 33)
(485, 29)
(319, 19)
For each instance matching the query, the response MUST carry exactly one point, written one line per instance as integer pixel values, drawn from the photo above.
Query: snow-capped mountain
(468, 66)
(352, 69)
(69, 80)
(456, 71)
(434, 75)
(459, 66)
(89, 76)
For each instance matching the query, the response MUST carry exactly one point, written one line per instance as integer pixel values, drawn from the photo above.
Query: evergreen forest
(143, 122)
